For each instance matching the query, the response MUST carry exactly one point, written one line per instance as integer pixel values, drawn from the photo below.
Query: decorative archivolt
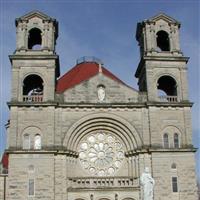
(172, 129)
(104, 122)
(33, 130)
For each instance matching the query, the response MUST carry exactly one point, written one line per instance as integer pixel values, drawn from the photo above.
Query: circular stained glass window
(101, 154)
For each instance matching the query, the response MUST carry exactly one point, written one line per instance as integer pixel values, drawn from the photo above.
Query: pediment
(34, 14)
(164, 17)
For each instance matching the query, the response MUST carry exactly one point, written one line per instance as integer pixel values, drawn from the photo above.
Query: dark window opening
(176, 140)
(166, 141)
(174, 184)
(173, 166)
(31, 187)
(163, 41)
(33, 88)
(167, 85)
(35, 39)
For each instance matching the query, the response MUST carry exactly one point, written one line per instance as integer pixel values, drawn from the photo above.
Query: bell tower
(35, 64)
(162, 71)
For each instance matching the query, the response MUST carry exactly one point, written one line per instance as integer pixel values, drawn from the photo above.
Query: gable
(32, 15)
(82, 72)
(163, 17)
(87, 91)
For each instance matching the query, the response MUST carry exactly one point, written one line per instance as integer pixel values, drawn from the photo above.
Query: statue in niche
(101, 93)
(147, 183)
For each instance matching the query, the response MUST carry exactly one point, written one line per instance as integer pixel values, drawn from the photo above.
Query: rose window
(101, 154)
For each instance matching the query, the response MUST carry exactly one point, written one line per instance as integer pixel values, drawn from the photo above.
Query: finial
(100, 68)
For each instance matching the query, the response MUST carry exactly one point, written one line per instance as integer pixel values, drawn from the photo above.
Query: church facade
(89, 136)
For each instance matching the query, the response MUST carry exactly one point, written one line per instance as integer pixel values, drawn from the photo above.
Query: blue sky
(105, 29)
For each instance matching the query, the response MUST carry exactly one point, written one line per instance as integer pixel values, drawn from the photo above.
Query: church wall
(2, 186)
(110, 194)
(163, 173)
(42, 118)
(42, 172)
(170, 120)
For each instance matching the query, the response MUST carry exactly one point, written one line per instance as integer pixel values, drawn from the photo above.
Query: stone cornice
(43, 151)
(166, 58)
(159, 150)
(31, 104)
(100, 105)
(169, 104)
(159, 58)
(3, 175)
(38, 56)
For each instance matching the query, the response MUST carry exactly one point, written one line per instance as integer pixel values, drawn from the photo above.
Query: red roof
(82, 72)
(5, 160)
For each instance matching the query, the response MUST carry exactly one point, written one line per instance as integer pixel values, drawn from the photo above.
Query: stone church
(87, 135)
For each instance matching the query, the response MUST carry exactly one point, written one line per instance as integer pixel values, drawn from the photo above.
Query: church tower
(35, 64)
(162, 71)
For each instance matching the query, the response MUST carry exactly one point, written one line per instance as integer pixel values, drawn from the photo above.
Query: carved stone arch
(104, 198)
(168, 83)
(128, 198)
(171, 130)
(34, 37)
(32, 131)
(80, 199)
(163, 40)
(34, 73)
(159, 75)
(119, 126)
(32, 83)
(31, 128)
(179, 129)
(29, 27)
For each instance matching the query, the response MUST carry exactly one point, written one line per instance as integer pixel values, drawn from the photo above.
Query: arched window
(165, 141)
(79, 199)
(37, 142)
(176, 140)
(31, 168)
(173, 166)
(33, 88)
(26, 141)
(163, 41)
(34, 39)
(128, 199)
(167, 88)
(104, 199)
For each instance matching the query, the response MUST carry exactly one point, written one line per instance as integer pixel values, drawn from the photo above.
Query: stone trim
(101, 105)
(153, 150)
(55, 152)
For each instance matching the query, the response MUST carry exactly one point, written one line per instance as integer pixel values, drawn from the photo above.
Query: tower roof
(34, 13)
(81, 72)
(164, 17)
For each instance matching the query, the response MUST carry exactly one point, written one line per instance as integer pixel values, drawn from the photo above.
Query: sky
(104, 29)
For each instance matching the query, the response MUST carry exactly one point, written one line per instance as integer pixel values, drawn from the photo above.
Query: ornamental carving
(101, 154)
